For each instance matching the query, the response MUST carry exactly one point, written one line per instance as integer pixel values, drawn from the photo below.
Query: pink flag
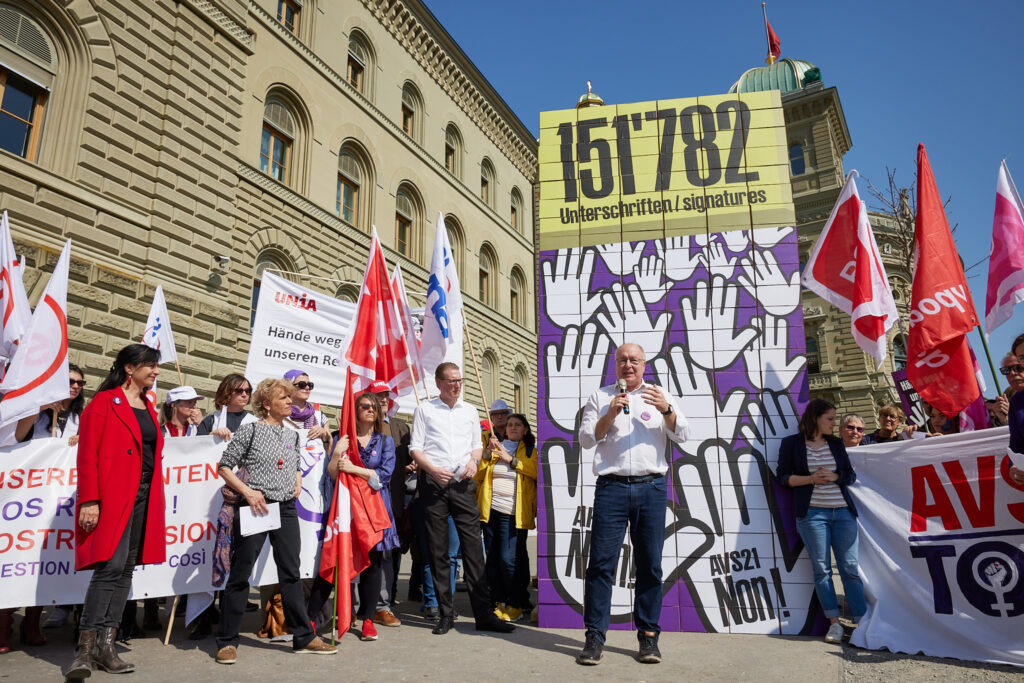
(376, 349)
(845, 269)
(39, 372)
(13, 301)
(1006, 260)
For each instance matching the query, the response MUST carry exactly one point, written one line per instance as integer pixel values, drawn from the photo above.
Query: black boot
(106, 654)
(151, 614)
(129, 627)
(81, 666)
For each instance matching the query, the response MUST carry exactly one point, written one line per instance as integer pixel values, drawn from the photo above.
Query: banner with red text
(37, 489)
(941, 547)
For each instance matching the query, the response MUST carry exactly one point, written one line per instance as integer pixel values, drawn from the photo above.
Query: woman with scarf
(304, 414)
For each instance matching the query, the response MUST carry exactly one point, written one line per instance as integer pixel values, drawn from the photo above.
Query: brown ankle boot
(31, 634)
(81, 666)
(106, 654)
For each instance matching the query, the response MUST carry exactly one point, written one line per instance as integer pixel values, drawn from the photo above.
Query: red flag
(774, 44)
(845, 269)
(942, 312)
(356, 522)
(377, 349)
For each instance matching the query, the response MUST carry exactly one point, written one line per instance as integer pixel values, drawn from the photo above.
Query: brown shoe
(106, 657)
(317, 647)
(81, 667)
(386, 617)
(227, 655)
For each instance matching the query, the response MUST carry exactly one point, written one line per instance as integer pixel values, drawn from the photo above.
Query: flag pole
(181, 378)
(53, 428)
(334, 617)
(995, 375)
(767, 38)
(472, 355)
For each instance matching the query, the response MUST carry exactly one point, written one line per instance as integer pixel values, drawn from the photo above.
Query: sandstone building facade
(164, 136)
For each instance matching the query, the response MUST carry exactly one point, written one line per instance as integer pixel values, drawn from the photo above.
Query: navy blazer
(793, 460)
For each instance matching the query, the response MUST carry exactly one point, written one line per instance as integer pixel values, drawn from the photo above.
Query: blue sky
(946, 74)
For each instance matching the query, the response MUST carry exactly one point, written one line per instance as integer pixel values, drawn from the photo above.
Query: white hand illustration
(766, 282)
(679, 262)
(648, 274)
(766, 238)
(626, 319)
(715, 259)
(566, 284)
(579, 361)
(769, 367)
(774, 417)
(622, 257)
(710, 319)
(736, 240)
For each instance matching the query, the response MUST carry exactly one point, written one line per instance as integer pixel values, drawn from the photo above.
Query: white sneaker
(58, 618)
(283, 638)
(835, 633)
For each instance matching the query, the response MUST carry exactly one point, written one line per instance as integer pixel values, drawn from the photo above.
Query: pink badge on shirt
(645, 415)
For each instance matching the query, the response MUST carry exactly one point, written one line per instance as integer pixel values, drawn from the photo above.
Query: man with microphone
(627, 424)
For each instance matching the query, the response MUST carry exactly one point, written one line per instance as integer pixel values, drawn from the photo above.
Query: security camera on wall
(222, 261)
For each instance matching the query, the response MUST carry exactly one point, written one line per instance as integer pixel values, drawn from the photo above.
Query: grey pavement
(412, 652)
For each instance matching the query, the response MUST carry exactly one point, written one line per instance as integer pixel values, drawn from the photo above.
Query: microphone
(621, 387)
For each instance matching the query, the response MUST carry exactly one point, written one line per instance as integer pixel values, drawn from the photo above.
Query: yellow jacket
(526, 486)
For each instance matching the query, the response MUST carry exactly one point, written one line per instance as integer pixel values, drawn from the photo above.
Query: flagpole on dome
(767, 35)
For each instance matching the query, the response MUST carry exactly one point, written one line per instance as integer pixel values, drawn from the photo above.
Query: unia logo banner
(667, 224)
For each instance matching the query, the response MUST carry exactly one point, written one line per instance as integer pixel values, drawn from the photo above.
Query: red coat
(109, 470)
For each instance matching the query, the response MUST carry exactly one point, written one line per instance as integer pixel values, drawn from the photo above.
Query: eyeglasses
(76, 382)
(367, 406)
(242, 390)
(630, 361)
(889, 417)
(1007, 369)
(303, 385)
(859, 430)
(452, 381)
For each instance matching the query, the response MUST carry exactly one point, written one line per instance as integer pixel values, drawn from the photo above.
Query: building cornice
(234, 31)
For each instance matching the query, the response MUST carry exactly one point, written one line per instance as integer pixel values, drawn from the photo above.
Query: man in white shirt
(627, 424)
(445, 443)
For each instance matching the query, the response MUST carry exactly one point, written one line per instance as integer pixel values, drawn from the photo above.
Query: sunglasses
(889, 417)
(367, 406)
(859, 430)
(303, 385)
(1007, 369)
(76, 382)
(242, 390)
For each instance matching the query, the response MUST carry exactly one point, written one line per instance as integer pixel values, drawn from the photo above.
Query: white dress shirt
(635, 443)
(446, 436)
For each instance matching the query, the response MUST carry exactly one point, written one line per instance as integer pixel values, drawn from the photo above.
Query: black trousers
(112, 581)
(285, 543)
(457, 499)
(371, 580)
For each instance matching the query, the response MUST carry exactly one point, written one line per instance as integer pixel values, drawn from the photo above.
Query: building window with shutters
(277, 139)
(488, 273)
(452, 150)
(486, 181)
(412, 111)
(28, 65)
(517, 296)
(359, 69)
(516, 213)
(350, 178)
(404, 217)
(813, 361)
(288, 14)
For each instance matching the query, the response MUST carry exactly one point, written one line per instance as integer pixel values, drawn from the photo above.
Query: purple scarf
(306, 416)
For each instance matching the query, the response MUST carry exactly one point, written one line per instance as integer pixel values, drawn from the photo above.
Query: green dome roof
(786, 75)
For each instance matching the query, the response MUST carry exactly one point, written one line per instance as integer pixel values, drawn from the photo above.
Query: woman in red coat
(120, 502)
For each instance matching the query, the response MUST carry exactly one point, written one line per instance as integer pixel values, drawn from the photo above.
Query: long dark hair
(528, 438)
(133, 354)
(78, 404)
(378, 411)
(809, 420)
(228, 386)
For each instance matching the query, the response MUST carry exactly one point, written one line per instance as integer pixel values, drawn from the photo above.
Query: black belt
(634, 479)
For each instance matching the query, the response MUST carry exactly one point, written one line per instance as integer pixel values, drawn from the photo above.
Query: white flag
(412, 340)
(13, 301)
(158, 333)
(39, 372)
(442, 319)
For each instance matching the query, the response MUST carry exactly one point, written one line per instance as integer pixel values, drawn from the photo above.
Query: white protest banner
(299, 328)
(941, 550)
(37, 489)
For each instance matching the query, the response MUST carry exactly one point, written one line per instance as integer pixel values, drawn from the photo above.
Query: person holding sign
(66, 413)
(120, 508)
(231, 398)
(815, 465)
(629, 424)
(270, 453)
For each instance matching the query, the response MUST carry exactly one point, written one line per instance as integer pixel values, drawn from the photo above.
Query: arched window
(487, 182)
(517, 296)
(279, 132)
(488, 275)
(352, 201)
(408, 219)
(453, 150)
(347, 292)
(489, 375)
(516, 214)
(28, 64)
(813, 364)
(412, 111)
(288, 14)
(268, 258)
(796, 159)
(520, 389)
(899, 354)
(451, 223)
(359, 70)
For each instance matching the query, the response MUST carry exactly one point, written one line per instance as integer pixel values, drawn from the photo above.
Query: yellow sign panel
(619, 173)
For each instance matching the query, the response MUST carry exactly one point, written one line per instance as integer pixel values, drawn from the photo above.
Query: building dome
(786, 75)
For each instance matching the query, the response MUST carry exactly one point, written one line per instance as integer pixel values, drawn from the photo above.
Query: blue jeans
(821, 529)
(617, 505)
(420, 528)
(501, 541)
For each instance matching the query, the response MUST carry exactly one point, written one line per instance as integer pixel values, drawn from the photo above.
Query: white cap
(185, 393)
(500, 406)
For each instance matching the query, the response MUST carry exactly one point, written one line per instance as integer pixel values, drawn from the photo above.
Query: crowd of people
(453, 488)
